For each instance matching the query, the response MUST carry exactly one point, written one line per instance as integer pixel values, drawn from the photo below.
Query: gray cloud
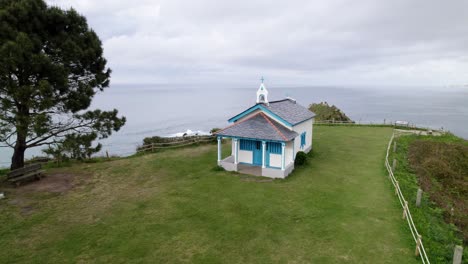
(290, 42)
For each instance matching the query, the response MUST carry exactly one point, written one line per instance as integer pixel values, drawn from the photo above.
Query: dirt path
(53, 183)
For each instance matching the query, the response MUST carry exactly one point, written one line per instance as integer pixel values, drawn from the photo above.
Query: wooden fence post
(405, 208)
(418, 197)
(452, 212)
(107, 154)
(394, 146)
(418, 244)
(394, 165)
(152, 147)
(457, 255)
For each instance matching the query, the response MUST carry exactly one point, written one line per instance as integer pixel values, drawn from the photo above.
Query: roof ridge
(282, 100)
(292, 100)
(273, 125)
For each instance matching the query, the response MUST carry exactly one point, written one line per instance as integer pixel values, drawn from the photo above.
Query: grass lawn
(173, 207)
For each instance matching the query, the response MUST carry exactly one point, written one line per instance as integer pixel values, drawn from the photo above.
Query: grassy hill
(439, 166)
(173, 207)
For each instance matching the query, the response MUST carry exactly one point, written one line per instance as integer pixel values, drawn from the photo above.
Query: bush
(301, 158)
(214, 130)
(324, 112)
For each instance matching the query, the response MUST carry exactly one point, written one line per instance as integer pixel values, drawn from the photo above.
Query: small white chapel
(267, 136)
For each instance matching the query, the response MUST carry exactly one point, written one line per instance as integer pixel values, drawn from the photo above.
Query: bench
(30, 171)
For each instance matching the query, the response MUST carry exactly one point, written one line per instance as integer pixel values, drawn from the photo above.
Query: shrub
(214, 130)
(325, 112)
(301, 158)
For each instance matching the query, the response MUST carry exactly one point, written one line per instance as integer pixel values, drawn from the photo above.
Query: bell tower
(262, 93)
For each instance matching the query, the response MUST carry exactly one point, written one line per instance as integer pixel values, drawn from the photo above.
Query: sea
(174, 110)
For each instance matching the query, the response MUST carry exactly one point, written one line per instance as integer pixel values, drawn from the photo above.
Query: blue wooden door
(257, 153)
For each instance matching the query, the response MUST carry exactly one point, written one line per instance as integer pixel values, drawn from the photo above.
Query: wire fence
(420, 250)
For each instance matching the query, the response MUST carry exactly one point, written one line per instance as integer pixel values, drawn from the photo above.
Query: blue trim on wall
(256, 139)
(261, 107)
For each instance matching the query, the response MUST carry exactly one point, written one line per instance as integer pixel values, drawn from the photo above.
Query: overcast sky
(211, 42)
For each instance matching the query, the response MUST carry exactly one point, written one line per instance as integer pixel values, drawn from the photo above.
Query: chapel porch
(255, 170)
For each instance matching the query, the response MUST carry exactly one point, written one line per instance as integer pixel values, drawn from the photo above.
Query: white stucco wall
(307, 127)
(289, 153)
(245, 156)
(275, 160)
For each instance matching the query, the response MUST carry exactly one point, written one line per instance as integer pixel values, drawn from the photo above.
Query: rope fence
(156, 146)
(420, 250)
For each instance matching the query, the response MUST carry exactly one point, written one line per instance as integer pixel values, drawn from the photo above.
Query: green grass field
(173, 207)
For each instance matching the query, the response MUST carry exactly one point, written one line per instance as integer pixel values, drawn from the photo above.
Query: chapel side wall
(289, 153)
(307, 127)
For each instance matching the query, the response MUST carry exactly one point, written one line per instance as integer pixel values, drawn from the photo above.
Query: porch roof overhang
(260, 127)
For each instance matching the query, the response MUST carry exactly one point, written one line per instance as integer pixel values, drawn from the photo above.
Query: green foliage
(4, 172)
(51, 66)
(433, 164)
(170, 142)
(218, 168)
(323, 111)
(301, 158)
(214, 130)
(74, 146)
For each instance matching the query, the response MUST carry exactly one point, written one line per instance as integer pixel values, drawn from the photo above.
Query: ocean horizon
(163, 110)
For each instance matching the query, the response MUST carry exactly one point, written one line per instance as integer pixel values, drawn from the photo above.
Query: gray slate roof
(290, 111)
(259, 126)
(287, 109)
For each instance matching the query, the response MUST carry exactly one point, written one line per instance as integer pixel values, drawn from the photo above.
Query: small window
(259, 145)
(303, 140)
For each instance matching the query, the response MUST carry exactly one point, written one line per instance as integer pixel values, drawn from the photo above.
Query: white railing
(406, 211)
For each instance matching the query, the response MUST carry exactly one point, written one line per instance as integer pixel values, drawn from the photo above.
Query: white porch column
(263, 154)
(219, 149)
(283, 156)
(236, 151)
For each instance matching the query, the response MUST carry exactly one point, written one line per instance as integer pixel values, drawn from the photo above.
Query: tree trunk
(17, 161)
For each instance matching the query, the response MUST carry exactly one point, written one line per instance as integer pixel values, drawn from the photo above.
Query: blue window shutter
(303, 140)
